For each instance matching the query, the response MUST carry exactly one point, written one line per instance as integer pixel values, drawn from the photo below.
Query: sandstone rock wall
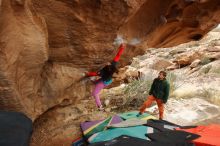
(45, 45)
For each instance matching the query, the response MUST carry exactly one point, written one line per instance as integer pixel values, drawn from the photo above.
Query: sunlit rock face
(46, 45)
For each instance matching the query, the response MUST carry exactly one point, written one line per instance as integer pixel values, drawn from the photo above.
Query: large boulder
(185, 59)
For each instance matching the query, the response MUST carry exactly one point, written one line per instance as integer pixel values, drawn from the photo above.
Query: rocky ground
(194, 75)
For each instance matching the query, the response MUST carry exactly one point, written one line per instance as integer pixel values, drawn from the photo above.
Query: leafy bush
(206, 69)
(204, 61)
(173, 81)
(135, 93)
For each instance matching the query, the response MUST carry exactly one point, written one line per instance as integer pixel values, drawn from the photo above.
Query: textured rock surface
(45, 45)
(61, 125)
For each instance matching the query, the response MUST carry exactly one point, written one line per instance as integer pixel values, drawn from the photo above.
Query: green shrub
(204, 61)
(206, 69)
(135, 93)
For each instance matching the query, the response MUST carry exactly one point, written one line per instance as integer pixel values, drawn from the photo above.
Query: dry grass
(135, 93)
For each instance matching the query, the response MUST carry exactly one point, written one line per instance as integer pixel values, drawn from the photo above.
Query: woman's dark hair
(111, 69)
(107, 72)
(164, 73)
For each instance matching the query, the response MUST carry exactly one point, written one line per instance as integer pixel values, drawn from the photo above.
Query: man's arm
(152, 87)
(166, 92)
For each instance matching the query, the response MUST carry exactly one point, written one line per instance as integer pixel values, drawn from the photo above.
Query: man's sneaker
(139, 114)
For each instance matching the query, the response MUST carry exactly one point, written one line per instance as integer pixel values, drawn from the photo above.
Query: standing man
(159, 92)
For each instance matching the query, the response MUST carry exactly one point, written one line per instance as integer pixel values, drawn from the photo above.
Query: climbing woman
(105, 76)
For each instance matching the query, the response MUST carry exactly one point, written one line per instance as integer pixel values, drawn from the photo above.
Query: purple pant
(95, 93)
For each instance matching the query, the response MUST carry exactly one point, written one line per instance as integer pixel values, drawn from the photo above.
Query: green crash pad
(138, 131)
(133, 114)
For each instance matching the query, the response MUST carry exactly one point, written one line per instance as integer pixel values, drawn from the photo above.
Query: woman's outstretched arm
(120, 51)
(90, 74)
